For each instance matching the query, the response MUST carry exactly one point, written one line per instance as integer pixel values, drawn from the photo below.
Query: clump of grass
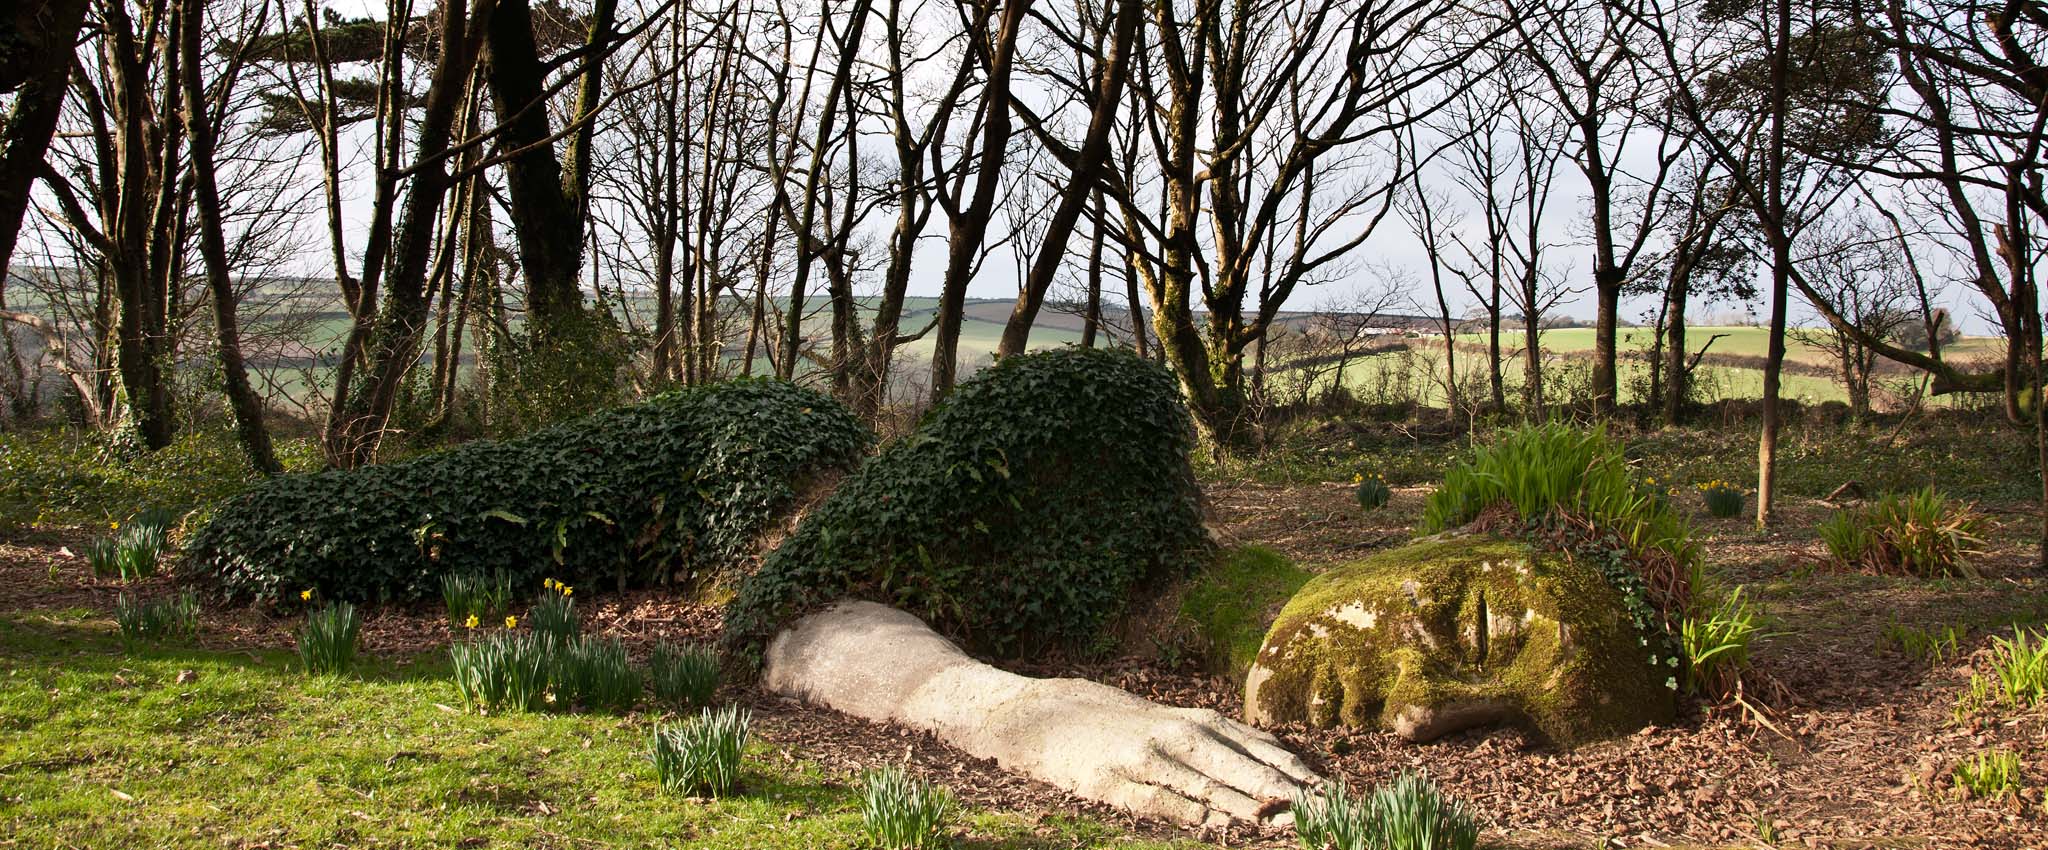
(327, 642)
(1724, 500)
(1977, 699)
(1330, 818)
(1922, 533)
(1410, 814)
(594, 674)
(530, 671)
(554, 614)
(132, 550)
(483, 596)
(684, 675)
(1545, 470)
(2021, 667)
(1990, 775)
(702, 755)
(503, 670)
(1406, 814)
(902, 812)
(1930, 646)
(157, 618)
(1371, 491)
(1716, 643)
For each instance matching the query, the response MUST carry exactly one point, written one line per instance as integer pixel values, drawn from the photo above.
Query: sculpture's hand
(1188, 765)
(1101, 743)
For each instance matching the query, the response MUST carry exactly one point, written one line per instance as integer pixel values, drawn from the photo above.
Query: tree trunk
(1493, 371)
(967, 227)
(393, 346)
(1091, 319)
(1677, 379)
(547, 198)
(242, 398)
(33, 119)
(1606, 357)
(1781, 265)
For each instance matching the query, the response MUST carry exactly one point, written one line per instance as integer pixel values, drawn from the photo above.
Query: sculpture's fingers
(1263, 747)
(1210, 752)
(1256, 744)
(1172, 769)
(1151, 800)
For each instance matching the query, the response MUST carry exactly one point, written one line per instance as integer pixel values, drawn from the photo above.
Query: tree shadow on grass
(72, 641)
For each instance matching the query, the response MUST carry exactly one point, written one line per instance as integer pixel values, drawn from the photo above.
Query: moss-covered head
(1459, 631)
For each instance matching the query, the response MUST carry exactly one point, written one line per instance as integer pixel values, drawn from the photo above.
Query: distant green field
(1419, 373)
(1738, 341)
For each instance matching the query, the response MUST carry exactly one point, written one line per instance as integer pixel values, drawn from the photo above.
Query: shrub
(327, 642)
(1406, 814)
(702, 754)
(554, 615)
(902, 812)
(1372, 491)
(1724, 500)
(1990, 775)
(1922, 533)
(476, 595)
(503, 670)
(682, 482)
(685, 675)
(160, 617)
(1716, 644)
(593, 674)
(1025, 509)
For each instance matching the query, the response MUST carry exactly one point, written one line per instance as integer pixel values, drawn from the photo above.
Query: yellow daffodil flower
(306, 595)
(471, 622)
(511, 622)
(567, 590)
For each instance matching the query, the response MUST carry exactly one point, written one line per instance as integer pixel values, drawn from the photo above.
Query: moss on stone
(1230, 603)
(1465, 623)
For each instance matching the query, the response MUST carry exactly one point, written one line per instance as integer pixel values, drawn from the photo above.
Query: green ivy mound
(684, 481)
(1021, 513)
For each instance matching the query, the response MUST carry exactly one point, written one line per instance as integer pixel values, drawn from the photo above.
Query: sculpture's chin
(1421, 723)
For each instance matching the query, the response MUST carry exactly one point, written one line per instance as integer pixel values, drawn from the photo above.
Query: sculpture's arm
(1098, 742)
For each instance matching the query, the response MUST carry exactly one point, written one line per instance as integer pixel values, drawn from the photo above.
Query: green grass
(59, 476)
(100, 748)
(1968, 461)
(1741, 341)
(1231, 603)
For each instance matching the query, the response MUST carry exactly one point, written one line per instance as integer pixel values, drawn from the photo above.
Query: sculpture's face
(1450, 635)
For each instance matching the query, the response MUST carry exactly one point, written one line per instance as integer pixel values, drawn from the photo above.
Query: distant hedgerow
(1022, 511)
(684, 481)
